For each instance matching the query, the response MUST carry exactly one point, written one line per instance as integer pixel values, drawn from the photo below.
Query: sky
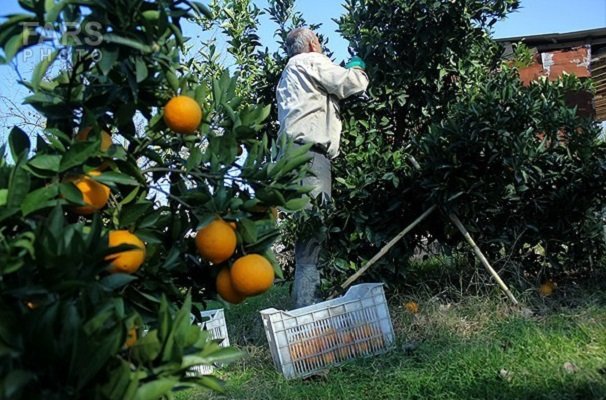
(534, 17)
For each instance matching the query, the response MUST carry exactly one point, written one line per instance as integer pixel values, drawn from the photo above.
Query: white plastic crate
(309, 339)
(217, 328)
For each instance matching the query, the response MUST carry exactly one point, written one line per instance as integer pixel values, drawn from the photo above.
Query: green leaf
(151, 15)
(155, 389)
(14, 382)
(172, 79)
(269, 254)
(14, 44)
(19, 143)
(212, 383)
(147, 348)
(8, 212)
(39, 199)
(141, 70)
(52, 12)
(132, 43)
(200, 93)
(194, 160)
(149, 221)
(46, 162)
(259, 115)
(78, 154)
(116, 178)
(41, 69)
(56, 222)
(248, 229)
(109, 56)
(120, 380)
(201, 9)
(132, 212)
(297, 204)
(172, 259)
(71, 193)
(98, 321)
(130, 197)
(116, 281)
(18, 186)
(149, 236)
(3, 197)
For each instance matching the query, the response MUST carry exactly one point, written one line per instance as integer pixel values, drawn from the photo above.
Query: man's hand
(356, 62)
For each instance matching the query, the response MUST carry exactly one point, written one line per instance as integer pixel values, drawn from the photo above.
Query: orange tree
(525, 165)
(99, 270)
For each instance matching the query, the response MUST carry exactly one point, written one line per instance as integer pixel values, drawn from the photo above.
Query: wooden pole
(384, 250)
(480, 255)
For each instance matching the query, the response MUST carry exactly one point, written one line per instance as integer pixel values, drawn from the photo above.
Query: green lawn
(476, 348)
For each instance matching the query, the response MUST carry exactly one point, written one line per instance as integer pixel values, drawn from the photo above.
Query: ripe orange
(412, 307)
(106, 139)
(127, 261)
(547, 288)
(216, 242)
(182, 114)
(252, 274)
(226, 289)
(94, 194)
(131, 339)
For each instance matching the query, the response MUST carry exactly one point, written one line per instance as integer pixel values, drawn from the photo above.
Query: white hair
(298, 41)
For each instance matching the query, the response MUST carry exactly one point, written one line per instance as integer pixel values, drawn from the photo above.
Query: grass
(477, 348)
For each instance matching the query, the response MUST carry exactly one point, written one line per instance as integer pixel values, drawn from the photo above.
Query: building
(581, 53)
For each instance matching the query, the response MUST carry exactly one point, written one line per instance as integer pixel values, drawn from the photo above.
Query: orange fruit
(131, 339)
(216, 242)
(127, 261)
(106, 139)
(296, 351)
(182, 114)
(412, 307)
(329, 358)
(94, 194)
(252, 274)
(547, 288)
(226, 289)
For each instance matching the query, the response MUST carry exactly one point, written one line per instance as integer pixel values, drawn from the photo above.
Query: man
(308, 97)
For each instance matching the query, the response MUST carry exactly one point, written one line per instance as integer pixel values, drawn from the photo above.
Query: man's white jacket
(308, 97)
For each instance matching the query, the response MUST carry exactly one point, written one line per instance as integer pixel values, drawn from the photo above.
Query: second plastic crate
(217, 329)
(309, 339)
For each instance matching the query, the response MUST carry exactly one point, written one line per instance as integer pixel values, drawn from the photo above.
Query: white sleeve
(338, 81)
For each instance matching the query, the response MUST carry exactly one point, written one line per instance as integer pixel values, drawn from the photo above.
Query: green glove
(356, 62)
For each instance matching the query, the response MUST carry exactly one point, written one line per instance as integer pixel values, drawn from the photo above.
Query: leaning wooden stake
(384, 250)
(480, 255)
